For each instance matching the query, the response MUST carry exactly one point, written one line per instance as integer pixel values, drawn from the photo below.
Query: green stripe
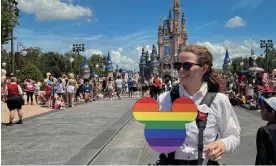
(164, 124)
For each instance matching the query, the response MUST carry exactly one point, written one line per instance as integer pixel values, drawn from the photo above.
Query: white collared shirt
(221, 121)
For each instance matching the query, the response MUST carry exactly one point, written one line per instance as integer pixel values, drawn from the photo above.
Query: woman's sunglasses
(186, 65)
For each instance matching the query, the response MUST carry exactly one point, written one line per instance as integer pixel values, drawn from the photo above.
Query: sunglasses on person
(186, 65)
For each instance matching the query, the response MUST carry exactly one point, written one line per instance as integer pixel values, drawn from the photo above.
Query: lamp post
(15, 13)
(241, 64)
(266, 44)
(20, 53)
(77, 48)
(4, 64)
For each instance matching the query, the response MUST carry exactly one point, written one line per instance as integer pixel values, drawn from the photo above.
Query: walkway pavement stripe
(88, 153)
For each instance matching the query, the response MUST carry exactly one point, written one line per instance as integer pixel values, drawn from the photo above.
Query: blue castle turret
(226, 62)
(85, 69)
(108, 67)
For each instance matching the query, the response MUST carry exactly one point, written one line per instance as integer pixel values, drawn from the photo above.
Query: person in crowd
(119, 86)
(60, 88)
(222, 132)
(157, 82)
(135, 87)
(130, 87)
(110, 88)
(72, 86)
(13, 93)
(59, 102)
(29, 89)
(266, 135)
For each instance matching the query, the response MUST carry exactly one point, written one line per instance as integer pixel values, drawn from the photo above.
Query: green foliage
(31, 70)
(33, 55)
(8, 20)
(53, 62)
(100, 60)
(260, 61)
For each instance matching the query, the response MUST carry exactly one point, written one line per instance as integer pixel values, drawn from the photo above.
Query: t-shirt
(130, 83)
(119, 83)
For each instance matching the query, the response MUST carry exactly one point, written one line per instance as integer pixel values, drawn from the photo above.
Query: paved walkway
(129, 147)
(55, 138)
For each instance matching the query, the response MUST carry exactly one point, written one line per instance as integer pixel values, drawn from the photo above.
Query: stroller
(41, 98)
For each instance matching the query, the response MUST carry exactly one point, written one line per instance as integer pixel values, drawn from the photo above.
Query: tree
(33, 55)
(9, 18)
(31, 70)
(97, 59)
(271, 58)
(51, 62)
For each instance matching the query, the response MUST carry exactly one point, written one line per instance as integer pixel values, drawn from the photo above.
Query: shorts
(71, 89)
(119, 90)
(14, 102)
(134, 89)
(130, 89)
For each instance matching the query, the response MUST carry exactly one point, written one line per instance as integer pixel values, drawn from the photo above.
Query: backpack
(201, 122)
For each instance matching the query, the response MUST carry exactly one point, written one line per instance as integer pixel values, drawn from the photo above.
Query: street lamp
(241, 64)
(266, 44)
(71, 60)
(4, 64)
(77, 48)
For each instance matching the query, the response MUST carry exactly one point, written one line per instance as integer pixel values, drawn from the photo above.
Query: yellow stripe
(165, 116)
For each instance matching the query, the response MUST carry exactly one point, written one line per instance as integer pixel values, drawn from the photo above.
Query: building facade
(172, 36)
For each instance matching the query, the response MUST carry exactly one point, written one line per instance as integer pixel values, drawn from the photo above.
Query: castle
(171, 37)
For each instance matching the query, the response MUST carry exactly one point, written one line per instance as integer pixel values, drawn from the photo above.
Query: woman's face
(196, 72)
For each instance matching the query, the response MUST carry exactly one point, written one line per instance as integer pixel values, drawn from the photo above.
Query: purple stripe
(165, 141)
(164, 149)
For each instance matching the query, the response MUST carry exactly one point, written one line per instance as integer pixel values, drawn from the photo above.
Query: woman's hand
(215, 150)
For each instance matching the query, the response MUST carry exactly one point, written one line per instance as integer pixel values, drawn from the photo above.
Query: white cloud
(139, 49)
(123, 61)
(235, 50)
(53, 9)
(120, 49)
(234, 22)
(89, 52)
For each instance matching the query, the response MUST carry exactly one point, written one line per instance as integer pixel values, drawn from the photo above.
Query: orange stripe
(184, 107)
(145, 107)
(183, 100)
(145, 100)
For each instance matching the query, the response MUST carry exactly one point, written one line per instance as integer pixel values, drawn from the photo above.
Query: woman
(29, 88)
(196, 78)
(110, 88)
(71, 89)
(14, 100)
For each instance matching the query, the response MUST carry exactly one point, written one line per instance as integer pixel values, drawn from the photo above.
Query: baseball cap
(271, 102)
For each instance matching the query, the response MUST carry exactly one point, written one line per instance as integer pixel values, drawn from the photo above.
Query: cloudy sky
(123, 27)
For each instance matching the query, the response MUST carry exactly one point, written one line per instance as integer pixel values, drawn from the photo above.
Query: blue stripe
(165, 133)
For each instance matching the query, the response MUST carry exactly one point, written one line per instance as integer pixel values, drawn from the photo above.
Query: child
(266, 135)
(59, 103)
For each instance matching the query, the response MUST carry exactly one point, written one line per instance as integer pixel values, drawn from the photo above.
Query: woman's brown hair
(204, 57)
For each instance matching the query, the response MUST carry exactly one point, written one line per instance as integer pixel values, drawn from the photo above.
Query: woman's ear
(205, 69)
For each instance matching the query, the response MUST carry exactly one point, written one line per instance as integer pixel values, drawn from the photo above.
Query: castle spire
(108, 63)
(226, 58)
(170, 14)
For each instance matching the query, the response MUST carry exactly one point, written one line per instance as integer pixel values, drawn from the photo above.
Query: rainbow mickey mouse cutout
(165, 131)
